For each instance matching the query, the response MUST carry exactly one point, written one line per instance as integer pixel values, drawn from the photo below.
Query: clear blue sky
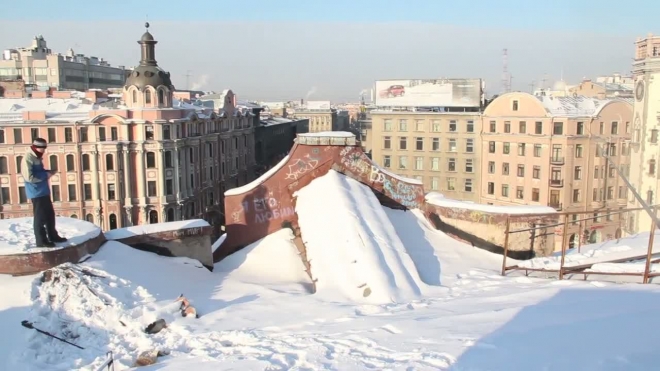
(604, 16)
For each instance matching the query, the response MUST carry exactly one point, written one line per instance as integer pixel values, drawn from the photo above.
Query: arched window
(74, 216)
(109, 162)
(19, 164)
(113, 221)
(134, 96)
(70, 163)
(170, 215)
(153, 217)
(147, 96)
(89, 218)
(54, 164)
(161, 97)
(151, 160)
(85, 162)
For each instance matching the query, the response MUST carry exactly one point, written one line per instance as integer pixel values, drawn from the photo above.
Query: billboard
(318, 104)
(428, 93)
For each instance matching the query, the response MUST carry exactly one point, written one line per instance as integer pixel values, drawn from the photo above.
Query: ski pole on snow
(29, 325)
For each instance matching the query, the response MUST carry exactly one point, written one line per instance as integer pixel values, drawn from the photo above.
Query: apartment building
(540, 150)
(38, 66)
(153, 158)
(439, 148)
(321, 116)
(646, 126)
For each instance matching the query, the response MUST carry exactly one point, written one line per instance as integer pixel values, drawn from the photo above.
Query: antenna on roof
(146, 23)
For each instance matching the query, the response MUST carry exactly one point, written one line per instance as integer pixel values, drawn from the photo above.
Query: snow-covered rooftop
(17, 235)
(69, 109)
(579, 106)
(439, 199)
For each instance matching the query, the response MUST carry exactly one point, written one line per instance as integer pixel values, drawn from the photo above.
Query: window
(72, 192)
(4, 166)
(506, 148)
(419, 144)
(403, 125)
(514, 106)
(87, 192)
(654, 136)
(623, 192)
(493, 126)
(22, 197)
(452, 145)
(451, 164)
(54, 165)
(114, 136)
(469, 145)
(419, 125)
(5, 196)
(18, 135)
(55, 193)
(536, 194)
(578, 151)
(161, 97)
(610, 193)
(577, 173)
(451, 184)
(112, 194)
(469, 165)
(52, 135)
(109, 162)
(491, 188)
(34, 133)
(68, 135)
(557, 153)
(596, 171)
(70, 163)
(151, 189)
(520, 193)
(580, 128)
(537, 150)
(505, 168)
(521, 171)
(507, 126)
(89, 218)
(612, 172)
(435, 126)
(536, 172)
(435, 183)
(84, 135)
(387, 161)
(651, 167)
(538, 127)
(452, 126)
(468, 185)
(403, 162)
(2, 135)
(149, 132)
(615, 128)
(387, 125)
(558, 128)
(435, 144)
(387, 142)
(576, 195)
(403, 144)
(491, 167)
(85, 162)
(169, 187)
(649, 197)
(521, 149)
(147, 96)
(505, 190)
(491, 147)
(419, 163)
(522, 127)
(168, 159)
(435, 163)
(102, 137)
(470, 127)
(151, 160)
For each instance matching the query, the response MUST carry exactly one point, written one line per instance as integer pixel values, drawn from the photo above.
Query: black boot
(58, 239)
(46, 244)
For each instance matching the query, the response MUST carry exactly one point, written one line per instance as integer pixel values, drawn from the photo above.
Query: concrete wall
(267, 204)
(486, 230)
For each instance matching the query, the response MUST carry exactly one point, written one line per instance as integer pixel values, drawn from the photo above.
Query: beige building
(153, 158)
(38, 66)
(547, 151)
(646, 126)
(440, 149)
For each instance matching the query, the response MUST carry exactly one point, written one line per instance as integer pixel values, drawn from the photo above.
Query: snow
(255, 183)
(17, 235)
(218, 242)
(627, 247)
(334, 134)
(137, 230)
(439, 199)
(256, 312)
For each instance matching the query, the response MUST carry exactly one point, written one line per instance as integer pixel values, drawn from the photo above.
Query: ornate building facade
(149, 159)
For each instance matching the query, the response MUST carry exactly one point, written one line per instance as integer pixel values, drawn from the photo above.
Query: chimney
(301, 101)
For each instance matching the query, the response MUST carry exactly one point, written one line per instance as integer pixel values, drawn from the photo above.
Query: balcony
(556, 205)
(556, 183)
(557, 160)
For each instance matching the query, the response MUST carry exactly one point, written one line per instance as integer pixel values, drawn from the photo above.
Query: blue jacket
(35, 176)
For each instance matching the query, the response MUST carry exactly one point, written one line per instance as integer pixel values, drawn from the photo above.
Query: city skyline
(295, 51)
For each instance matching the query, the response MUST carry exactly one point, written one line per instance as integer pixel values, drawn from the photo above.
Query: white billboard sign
(428, 93)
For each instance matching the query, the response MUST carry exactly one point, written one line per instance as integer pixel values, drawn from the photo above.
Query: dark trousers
(44, 220)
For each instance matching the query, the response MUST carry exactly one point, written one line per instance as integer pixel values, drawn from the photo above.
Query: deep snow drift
(17, 235)
(354, 251)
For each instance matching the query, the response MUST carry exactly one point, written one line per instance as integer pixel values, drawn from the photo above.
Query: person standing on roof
(37, 190)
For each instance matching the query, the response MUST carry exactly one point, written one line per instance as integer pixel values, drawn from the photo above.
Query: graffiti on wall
(301, 166)
(404, 193)
(266, 209)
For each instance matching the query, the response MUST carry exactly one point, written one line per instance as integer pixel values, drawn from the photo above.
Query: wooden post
(563, 248)
(649, 253)
(506, 243)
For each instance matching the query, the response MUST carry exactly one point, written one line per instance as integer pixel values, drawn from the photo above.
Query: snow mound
(273, 260)
(17, 235)
(138, 230)
(354, 251)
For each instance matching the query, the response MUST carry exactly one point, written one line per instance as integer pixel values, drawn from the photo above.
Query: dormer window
(134, 96)
(147, 96)
(515, 105)
(161, 97)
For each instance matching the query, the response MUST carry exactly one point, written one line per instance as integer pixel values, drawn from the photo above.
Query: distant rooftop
(579, 106)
